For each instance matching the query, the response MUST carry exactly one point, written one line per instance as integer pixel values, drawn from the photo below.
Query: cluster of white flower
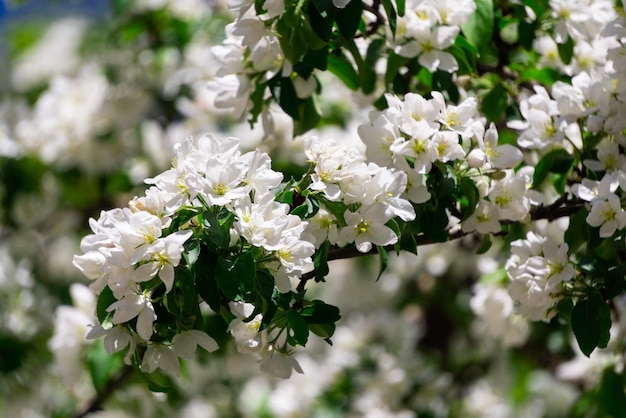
(538, 268)
(496, 317)
(250, 54)
(414, 133)
(430, 29)
(130, 247)
(374, 193)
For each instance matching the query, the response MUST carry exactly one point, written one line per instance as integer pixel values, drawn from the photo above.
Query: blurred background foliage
(93, 96)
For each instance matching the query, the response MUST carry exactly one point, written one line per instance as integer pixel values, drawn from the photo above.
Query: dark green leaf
(566, 51)
(383, 260)
(319, 312)
(401, 7)
(391, 15)
(265, 284)
(577, 231)
(105, 299)
(235, 275)
(323, 330)
(485, 244)
(285, 94)
(471, 196)
(191, 252)
(407, 242)
(614, 281)
(585, 327)
(349, 18)
(526, 33)
(310, 115)
(343, 69)
(494, 103)
(215, 233)
(612, 396)
(557, 161)
(206, 286)
(320, 262)
(394, 63)
(322, 16)
(591, 321)
(299, 328)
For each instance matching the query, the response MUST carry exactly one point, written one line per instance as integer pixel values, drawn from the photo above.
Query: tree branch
(560, 208)
(95, 404)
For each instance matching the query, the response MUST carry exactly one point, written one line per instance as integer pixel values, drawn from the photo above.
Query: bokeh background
(93, 95)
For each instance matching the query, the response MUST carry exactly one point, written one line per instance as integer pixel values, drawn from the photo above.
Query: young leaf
(566, 50)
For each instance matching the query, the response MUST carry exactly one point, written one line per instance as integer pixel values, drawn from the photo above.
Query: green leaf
(349, 18)
(321, 16)
(401, 7)
(342, 68)
(591, 322)
(102, 365)
(206, 286)
(556, 161)
(578, 230)
(407, 242)
(235, 275)
(191, 251)
(299, 328)
(611, 394)
(494, 103)
(285, 95)
(383, 258)
(479, 27)
(323, 330)
(157, 381)
(485, 244)
(584, 327)
(566, 50)
(310, 115)
(391, 16)
(319, 312)
(105, 299)
(308, 209)
(320, 262)
(215, 233)
(470, 193)
(614, 281)
(394, 63)
(526, 33)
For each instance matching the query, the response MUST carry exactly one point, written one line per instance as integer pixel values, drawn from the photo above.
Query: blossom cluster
(539, 268)
(430, 30)
(135, 251)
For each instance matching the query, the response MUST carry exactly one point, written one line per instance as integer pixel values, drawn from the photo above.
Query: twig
(560, 208)
(95, 404)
